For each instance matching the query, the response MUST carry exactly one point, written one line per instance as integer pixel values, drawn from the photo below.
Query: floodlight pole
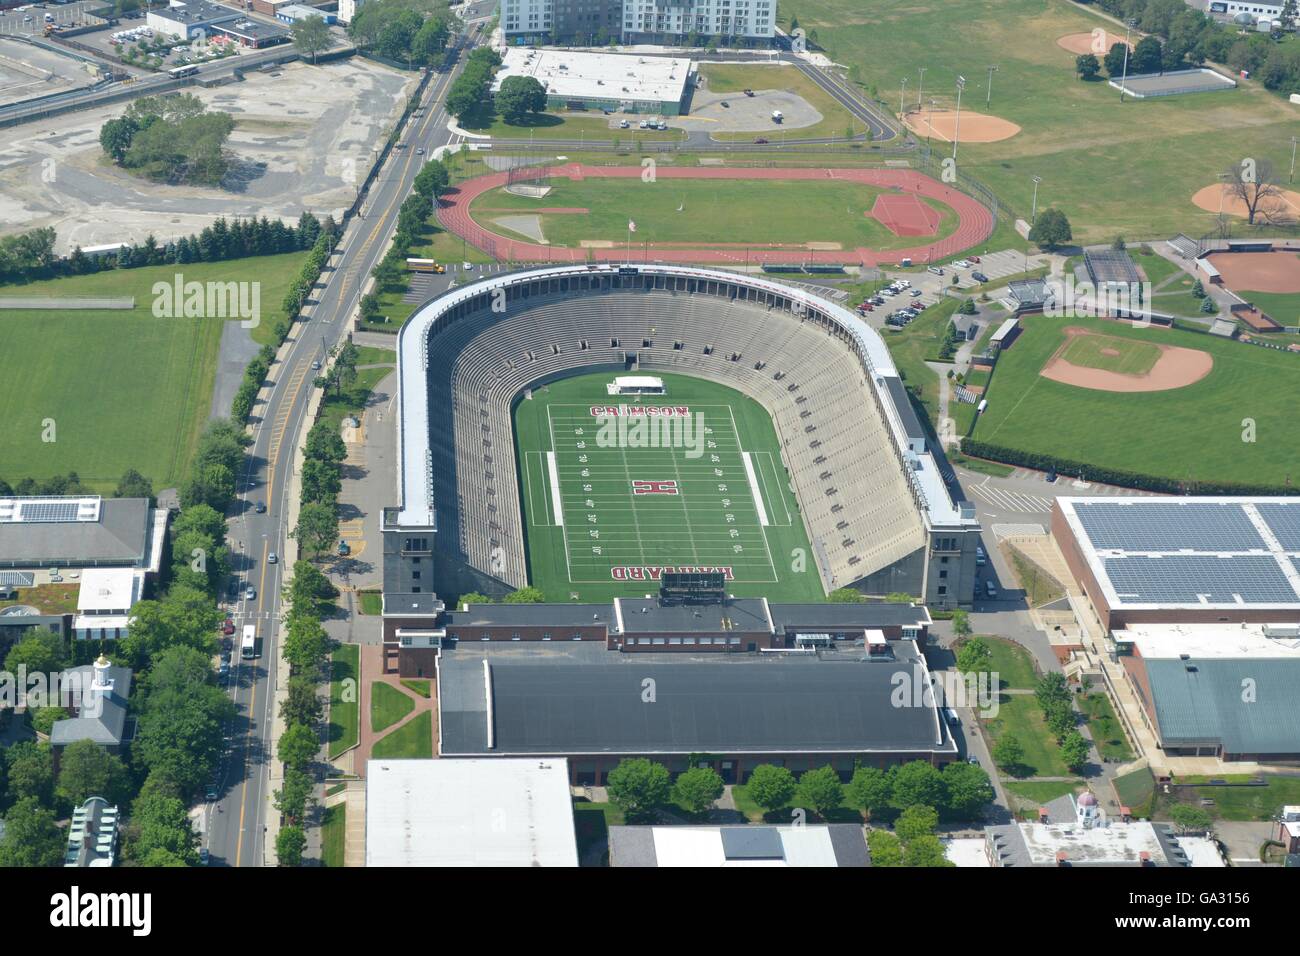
(920, 87)
(901, 93)
(1291, 177)
(1033, 214)
(989, 98)
(956, 132)
(1123, 84)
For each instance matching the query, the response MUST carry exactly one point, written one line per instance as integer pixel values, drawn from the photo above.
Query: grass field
(124, 389)
(387, 706)
(1126, 356)
(1283, 307)
(344, 715)
(1044, 791)
(1241, 803)
(1107, 734)
(736, 211)
(1152, 432)
(721, 516)
(333, 834)
(1019, 714)
(1012, 663)
(1128, 168)
(414, 739)
(912, 346)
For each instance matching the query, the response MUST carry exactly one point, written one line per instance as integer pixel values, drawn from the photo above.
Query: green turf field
(1129, 168)
(123, 388)
(1190, 433)
(795, 211)
(1109, 352)
(584, 530)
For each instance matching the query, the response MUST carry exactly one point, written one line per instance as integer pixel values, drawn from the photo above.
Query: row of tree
(170, 138)
(469, 94)
(30, 255)
(306, 648)
(132, 484)
(390, 273)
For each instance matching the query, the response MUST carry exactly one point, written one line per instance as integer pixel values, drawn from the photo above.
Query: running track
(975, 222)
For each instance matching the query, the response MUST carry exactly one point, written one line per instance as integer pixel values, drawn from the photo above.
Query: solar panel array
(1193, 578)
(47, 511)
(1198, 526)
(1196, 552)
(1283, 519)
(17, 579)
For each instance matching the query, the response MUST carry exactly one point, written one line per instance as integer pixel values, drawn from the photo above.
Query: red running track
(975, 222)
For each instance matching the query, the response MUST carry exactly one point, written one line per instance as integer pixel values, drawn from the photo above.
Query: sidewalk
(372, 667)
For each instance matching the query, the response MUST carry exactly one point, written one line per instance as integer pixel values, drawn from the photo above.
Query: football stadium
(586, 429)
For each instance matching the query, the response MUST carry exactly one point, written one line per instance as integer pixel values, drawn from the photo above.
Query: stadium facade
(879, 515)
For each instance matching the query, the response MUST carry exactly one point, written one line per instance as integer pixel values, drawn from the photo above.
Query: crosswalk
(1024, 502)
(1017, 501)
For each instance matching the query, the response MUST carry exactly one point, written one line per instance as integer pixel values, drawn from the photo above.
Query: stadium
(834, 448)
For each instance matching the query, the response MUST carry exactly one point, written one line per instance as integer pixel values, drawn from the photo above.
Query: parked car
(228, 628)
(990, 589)
(749, 92)
(204, 856)
(979, 277)
(725, 105)
(915, 293)
(1051, 476)
(937, 270)
(974, 258)
(761, 140)
(624, 124)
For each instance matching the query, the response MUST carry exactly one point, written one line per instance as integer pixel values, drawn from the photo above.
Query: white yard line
(556, 501)
(754, 489)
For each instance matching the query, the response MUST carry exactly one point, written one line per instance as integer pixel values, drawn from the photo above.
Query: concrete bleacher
(847, 472)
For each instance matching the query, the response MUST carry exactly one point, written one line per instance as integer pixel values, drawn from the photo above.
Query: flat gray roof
(1202, 702)
(119, 537)
(572, 699)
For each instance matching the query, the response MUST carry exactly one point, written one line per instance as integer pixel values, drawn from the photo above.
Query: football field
(618, 490)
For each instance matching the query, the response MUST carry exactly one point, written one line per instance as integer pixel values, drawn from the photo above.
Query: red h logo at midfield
(642, 487)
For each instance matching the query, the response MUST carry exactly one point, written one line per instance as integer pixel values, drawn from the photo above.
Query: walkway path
(372, 672)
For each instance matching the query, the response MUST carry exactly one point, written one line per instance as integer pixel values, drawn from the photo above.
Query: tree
(184, 617)
(916, 782)
(432, 180)
(974, 656)
(961, 619)
(820, 790)
(519, 96)
(44, 718)
(30, 771)
(321, 480)
(181, 729)
(289, 844)
(1254, 183)
(1114, 59)
(1059, 718)
(698, 788)
(1008, 754)
(32, 838)
(325, 443)
(473, 597)
(916, 821)
(306, 645)
(318, 525)
(310, 36)
(1051, 687)
(133, 485)
(1191, 819)
(311, 592)
(967, 789)
(430, 40)
(88, 770)
(40, 652)
(845, 596)
(115, 137)
(1074, 751)
(298, 747)
(771, 787)
(1087, 66)
(525, 595)
(637, 786)
(1147, 56)
(886, 849)
(294, 795)
(161, 822)
(1051, 229)
(301, 704)
(869, 790)
(926, 851)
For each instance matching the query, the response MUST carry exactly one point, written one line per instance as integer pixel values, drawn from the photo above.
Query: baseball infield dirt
(1099, 42)
(1285, 205)
(1177, 367)
(975, 127)
(1259, 271)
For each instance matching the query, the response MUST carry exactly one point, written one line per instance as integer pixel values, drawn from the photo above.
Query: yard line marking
(753, 487)
(556, 501)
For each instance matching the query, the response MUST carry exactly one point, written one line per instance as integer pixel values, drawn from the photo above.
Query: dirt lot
(27, 71)
(303, 139)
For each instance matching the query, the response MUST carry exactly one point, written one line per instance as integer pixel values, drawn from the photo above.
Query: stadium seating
(847, 473)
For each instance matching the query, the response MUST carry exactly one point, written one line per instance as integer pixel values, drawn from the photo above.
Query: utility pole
(956, 132)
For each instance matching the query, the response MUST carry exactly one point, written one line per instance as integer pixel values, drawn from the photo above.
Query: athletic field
(1192, 433)
(615, 490)
(123, 389)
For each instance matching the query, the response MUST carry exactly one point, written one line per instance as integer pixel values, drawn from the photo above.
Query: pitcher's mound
(975, 127)
(1285, 205)
(1098, 42)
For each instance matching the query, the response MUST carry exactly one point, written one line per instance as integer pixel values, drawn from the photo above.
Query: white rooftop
(702, 846)
(1116, 843)
(615, 76)
(491, 811)
(967, 852)
(49, 509)
(108, 589)
(1157, 641)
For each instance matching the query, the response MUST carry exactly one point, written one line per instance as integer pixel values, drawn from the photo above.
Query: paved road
(235, 822)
